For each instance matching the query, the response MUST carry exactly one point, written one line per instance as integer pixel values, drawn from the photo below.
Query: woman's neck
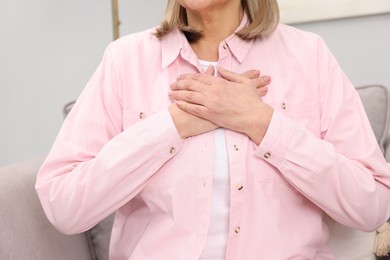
(215, 26)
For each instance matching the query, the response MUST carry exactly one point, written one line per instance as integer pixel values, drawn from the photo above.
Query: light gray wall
(49, 49)
(361, 45)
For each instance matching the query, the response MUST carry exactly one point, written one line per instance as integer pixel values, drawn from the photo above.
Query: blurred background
(50, 48)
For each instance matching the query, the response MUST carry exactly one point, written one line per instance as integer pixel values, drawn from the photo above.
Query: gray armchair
(376, 100)
(26, 233)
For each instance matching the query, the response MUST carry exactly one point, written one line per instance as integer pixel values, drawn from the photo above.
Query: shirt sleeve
(95, 166)
(342, 169)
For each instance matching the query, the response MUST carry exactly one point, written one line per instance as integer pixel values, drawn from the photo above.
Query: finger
(251, 74)
(192, 109)
(187, 96)
(263, 81)
(188, 84)
(231, 76)
(204, 78)
(263, 91)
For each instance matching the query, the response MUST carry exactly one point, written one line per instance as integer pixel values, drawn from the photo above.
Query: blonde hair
(263, 16)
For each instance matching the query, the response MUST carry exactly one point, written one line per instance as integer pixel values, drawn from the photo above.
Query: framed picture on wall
(300, 11)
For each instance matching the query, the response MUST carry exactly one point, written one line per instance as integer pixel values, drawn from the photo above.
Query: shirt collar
(175, 42)
(238, 46)
(171, 45)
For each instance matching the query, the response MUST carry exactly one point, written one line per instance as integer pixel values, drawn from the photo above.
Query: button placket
(237, 151)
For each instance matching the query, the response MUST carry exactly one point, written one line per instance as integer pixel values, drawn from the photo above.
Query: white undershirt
(215, 248)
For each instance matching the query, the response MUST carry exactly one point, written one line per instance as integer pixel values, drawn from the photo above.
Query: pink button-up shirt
(118, 150)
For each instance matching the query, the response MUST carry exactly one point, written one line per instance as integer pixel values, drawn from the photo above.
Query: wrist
(175, 114)
(259, 125)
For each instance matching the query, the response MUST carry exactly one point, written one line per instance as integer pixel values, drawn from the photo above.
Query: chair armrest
(347, 243)
(25, 231)
(386, 146)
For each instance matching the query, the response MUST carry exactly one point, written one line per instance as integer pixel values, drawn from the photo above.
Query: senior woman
(177, 133)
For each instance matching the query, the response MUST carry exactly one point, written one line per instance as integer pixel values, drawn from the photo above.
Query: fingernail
(267, 78)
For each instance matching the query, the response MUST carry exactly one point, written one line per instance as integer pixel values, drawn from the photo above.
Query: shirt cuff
(276, 142)
(157, 132)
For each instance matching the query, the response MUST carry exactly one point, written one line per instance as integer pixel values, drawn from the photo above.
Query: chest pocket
(305, 112)
(167, 177)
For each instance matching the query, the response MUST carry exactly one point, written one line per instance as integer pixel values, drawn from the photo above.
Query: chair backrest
(68, 107)
(26, 232)
(376, 102)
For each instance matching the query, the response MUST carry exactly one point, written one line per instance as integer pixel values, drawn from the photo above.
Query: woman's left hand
(231, 101)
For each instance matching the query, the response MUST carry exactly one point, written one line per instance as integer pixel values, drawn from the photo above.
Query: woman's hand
(233, 101)
(189, 125)
(260, 82)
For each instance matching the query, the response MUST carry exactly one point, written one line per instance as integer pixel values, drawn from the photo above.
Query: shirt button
(236, 148)
(224, 47)
(172, 150)
(237, 230)
(267, 155)
(239, 187)
(141, 115)
(283, 106)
